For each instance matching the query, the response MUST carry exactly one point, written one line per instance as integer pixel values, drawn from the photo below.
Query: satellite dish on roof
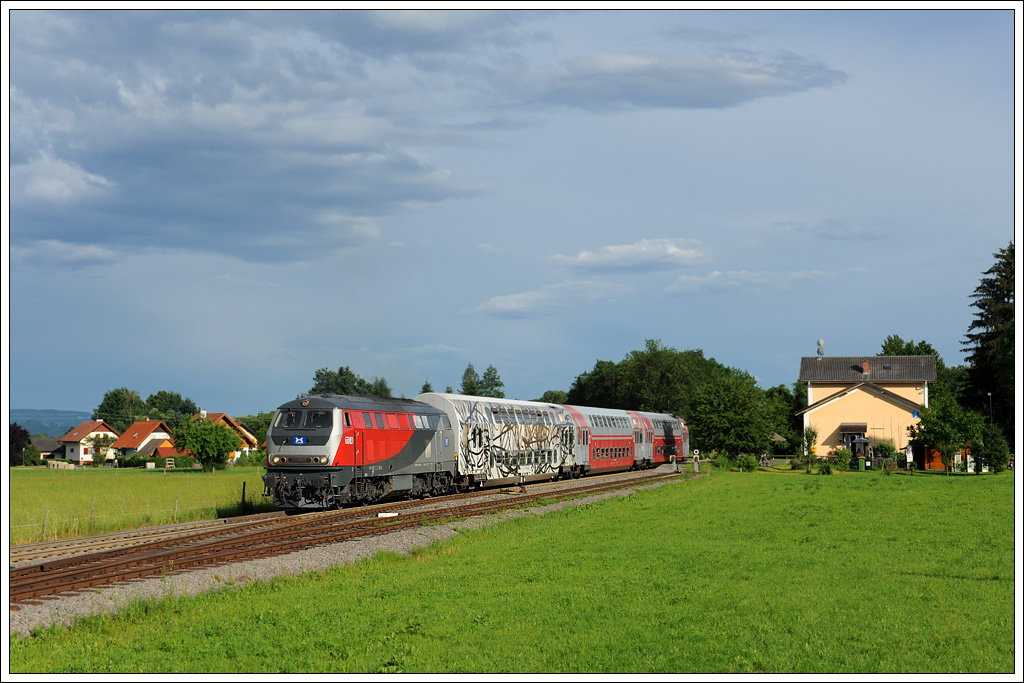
(821, 347)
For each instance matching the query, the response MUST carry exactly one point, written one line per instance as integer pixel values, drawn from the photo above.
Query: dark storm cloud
(214, 131)
(202, 131)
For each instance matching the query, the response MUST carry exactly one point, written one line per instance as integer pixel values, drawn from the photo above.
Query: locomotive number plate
(349, 439)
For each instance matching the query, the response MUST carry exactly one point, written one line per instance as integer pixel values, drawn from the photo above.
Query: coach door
(583, 449)
(642, 439)
(447, 443)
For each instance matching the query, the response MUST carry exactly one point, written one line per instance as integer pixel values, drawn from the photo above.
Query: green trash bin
(860, 463)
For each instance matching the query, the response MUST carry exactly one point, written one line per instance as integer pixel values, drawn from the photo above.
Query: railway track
(168, 551)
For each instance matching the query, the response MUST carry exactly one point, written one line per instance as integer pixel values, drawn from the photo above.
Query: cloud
(550, 300)
(752, 280)
(57, 181)
(678, 81)
(645, 255)
(57, 254)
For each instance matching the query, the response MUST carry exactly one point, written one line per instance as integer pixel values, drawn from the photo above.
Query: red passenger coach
(610, 440)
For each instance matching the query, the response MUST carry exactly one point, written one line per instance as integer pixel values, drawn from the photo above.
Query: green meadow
(55, 504)
(732, 573)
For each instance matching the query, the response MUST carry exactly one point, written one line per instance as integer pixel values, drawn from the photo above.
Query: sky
(220, 203)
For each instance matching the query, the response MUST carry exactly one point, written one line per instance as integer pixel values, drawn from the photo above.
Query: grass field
(732, 573)
(53, 504)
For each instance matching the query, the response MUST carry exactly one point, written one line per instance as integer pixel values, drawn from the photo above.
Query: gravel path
(110, 599)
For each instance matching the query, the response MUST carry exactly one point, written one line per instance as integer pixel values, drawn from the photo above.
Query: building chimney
(865, 367)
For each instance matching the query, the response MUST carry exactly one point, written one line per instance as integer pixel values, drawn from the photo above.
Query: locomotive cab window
(289, 419)
(316, 419)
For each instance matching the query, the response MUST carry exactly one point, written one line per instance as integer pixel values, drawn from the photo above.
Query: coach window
(348, 420)
(445, 422)
(379, 420)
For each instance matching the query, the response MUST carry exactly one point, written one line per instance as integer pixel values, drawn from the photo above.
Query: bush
(843, 459)
(825, 467)
(994, 452)
(884, 449)
(30, 457)
(746, 462)
(254, 459)
(889, 466)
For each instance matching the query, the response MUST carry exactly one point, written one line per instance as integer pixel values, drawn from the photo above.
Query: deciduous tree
(344, 381)
(730, 415)
(555, 396)
(209, 442)
(120, 408)
(947, 427)
(17, 440)
(170, 406)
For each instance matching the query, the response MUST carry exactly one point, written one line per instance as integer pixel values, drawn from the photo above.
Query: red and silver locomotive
(326, 451)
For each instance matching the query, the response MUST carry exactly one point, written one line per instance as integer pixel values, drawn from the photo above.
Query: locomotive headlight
(276, 459)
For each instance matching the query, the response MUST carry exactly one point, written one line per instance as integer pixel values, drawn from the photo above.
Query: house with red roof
(91, 440)
(141, 433)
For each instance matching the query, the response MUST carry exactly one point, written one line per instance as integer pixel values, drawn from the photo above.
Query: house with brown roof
(48, 447)
(249, 441)
(855, 402)
(141, 433)
(83, 444)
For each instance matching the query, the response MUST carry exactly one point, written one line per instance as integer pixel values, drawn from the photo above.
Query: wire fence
(69, 525)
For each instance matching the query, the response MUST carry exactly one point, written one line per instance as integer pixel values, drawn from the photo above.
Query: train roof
(486, 409)
(359, 402)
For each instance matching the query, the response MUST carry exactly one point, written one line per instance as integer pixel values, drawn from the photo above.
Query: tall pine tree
(989, 344)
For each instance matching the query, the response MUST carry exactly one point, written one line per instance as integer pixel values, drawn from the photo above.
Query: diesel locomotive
(327, 451)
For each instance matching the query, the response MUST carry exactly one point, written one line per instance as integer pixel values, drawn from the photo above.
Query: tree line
(724, 407)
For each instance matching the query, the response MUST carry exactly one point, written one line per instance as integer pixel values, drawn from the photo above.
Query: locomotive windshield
(304, 419)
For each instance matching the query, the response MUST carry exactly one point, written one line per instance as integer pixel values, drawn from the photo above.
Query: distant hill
(49, 422)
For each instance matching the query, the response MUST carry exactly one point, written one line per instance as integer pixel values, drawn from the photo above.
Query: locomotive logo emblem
(298, 441)
(446, 442)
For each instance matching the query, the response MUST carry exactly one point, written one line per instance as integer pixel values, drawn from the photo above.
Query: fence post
(92, 516)
(45, 520)
(243, 495)
(176, 507)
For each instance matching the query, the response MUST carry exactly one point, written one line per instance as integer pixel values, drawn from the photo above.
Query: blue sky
(219, 203)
